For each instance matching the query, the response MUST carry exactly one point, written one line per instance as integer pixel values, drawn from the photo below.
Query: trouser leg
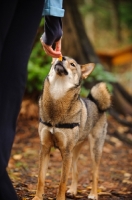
(16, 38)
(6, 188)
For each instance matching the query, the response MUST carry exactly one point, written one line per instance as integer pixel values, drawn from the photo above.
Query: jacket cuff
(54, 11)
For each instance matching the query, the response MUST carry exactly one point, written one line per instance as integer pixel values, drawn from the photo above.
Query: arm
(53, 27)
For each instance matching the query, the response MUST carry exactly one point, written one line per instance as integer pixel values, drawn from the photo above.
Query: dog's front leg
(66, 159)
(43, 165)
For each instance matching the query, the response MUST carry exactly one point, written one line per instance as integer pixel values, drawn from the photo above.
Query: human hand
(49, 50)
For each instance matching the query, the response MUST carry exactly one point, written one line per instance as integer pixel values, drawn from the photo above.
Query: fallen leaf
(17, 156)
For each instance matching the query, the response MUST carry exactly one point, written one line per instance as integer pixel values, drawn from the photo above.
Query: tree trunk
(76, 43)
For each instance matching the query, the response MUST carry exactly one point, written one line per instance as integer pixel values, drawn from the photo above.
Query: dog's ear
(87, 69)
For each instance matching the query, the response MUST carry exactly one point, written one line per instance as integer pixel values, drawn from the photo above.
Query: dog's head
(68, 70)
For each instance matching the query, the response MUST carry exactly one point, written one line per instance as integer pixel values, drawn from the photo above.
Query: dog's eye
(72, 64)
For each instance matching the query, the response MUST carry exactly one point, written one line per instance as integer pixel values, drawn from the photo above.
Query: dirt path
(115, 177)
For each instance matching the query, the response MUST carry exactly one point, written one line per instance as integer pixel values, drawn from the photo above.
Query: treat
(60, 58)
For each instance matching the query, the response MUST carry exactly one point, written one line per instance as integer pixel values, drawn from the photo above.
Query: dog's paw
(93, 196)
(71, 192)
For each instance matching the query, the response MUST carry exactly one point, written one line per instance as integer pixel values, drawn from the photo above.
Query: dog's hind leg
(73, 188)
(44, 158)
(96, 142)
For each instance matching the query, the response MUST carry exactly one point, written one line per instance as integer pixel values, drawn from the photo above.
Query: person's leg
(7, 10)
(6, 188)
(14, 54)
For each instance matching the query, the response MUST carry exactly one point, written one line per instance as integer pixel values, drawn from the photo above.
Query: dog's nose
(63, 58)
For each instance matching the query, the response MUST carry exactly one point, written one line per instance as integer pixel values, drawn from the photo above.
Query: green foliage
(126, 13)
(38, 68)
(84, 92)
(102, 10)
(38, 65)
(125, 9)
(113, 17)
(99, 74)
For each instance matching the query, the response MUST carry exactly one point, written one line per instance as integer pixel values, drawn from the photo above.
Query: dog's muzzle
(60, 69)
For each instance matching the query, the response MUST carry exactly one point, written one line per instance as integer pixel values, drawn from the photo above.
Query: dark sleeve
(52, 30)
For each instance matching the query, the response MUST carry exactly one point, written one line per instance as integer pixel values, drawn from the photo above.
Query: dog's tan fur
(60, 103)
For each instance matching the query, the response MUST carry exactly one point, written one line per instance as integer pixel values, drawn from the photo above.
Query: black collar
(66, 125)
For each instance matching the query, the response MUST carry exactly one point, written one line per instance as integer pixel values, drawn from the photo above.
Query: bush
(38, 68)
(38, 65)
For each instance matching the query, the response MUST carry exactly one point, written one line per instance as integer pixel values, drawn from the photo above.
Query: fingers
(49, 50)
(58, 45)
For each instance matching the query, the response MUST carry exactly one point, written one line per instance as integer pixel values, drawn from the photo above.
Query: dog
(67, 121)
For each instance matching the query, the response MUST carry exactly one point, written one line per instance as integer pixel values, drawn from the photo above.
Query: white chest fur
(59, 86)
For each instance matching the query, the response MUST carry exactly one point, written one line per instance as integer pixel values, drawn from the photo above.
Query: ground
(115, 176)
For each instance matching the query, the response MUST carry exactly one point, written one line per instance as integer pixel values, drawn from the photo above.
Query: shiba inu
(67, 121)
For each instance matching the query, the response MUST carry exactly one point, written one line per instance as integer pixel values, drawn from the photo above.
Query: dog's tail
(100, 96)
